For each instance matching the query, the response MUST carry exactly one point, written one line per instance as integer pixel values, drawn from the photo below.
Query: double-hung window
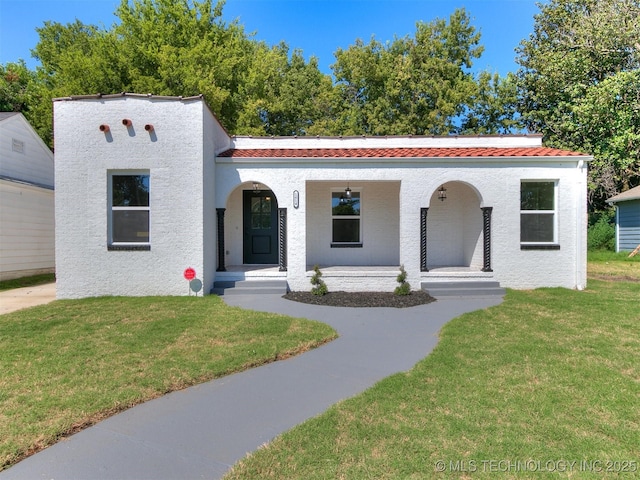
(128, 209)
(345, 219)
(538, 213)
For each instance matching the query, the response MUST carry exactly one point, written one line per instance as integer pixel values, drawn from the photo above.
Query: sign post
(189, 275)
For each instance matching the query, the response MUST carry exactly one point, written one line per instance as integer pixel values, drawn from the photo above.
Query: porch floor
(273, 271)
(251, 272)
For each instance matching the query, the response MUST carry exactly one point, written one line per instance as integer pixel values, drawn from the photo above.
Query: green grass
(27, 281)
(606, 265)
(70, 363)
(549, 375)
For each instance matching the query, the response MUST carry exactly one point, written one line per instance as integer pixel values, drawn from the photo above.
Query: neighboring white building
(148, 186)
(27, 240)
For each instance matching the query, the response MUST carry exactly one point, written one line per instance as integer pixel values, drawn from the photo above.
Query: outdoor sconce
(442, 193)
(104, 128)
(148, 127)
(126, 122)
(347, 192)
(256, 187)
(296, 199)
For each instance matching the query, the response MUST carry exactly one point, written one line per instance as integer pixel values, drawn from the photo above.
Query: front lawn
(545, 385)
(70, 363)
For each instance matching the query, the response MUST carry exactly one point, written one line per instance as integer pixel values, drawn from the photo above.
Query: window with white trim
(346, 225)
(538, 212)
(128, 208)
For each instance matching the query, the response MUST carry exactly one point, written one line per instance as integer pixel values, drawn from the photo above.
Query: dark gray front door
(260, 219)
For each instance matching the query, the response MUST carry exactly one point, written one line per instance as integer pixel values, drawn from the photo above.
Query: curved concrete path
(202, 431)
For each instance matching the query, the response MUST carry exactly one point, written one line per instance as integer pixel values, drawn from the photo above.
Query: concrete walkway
(18, 298)
(202, 431)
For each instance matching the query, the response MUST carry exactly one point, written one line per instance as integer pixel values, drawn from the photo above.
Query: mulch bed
(362, 299)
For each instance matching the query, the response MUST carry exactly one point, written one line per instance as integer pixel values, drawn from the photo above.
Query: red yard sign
(189, 274)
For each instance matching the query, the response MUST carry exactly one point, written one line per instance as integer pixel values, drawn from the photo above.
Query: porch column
(423, 239)
(282, 239)
(486, 237)
(220, 216)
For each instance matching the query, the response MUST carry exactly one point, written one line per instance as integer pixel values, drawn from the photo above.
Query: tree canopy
(420, 84)
(579, 86)
(578, 83)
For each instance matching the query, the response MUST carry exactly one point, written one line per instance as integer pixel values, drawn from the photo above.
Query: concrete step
(249, 287)
(467, 288)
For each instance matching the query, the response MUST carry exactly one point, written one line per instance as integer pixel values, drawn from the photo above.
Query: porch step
(463, 288)
(249, 287)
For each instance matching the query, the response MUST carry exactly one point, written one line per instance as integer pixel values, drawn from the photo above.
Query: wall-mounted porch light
(347, 192)
(256, 187)
(442, 193)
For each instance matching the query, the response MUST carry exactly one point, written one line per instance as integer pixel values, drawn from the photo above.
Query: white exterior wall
(27, 233)
(26, 201)
(188, 183)
(35, 163)
(454, 231)
(174, 156)
(379, 220)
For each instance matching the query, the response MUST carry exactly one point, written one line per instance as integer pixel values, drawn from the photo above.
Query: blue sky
(317, 27)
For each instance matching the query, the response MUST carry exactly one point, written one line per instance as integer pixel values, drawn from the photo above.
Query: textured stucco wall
(454, 226)
(188, 183)
(181, 206)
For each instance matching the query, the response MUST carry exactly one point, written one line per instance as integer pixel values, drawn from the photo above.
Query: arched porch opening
(251, 228)
(454, 228)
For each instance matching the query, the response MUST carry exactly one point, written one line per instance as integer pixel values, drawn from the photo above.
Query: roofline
(26, 182)
(401, 160)
(348, 137)
(7, 117)
(624, 197)
(150, 96)
(387, 141)
(33, 133)
(96, 96)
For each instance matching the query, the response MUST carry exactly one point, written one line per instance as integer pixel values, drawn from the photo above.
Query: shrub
(601, 235)
(319, 287)
(404, 288)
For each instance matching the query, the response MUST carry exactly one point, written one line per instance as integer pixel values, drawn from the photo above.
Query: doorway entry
(260, 226)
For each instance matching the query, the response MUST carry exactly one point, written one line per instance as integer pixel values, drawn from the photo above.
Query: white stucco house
(148, 186)
(27, 240)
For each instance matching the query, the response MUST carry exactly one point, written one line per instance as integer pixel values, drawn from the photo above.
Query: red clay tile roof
(395, 152)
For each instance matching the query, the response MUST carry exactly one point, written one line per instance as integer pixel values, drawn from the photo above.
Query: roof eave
(392, 160)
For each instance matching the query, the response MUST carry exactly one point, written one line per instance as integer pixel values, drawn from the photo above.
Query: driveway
(202, 431)
(18, 298)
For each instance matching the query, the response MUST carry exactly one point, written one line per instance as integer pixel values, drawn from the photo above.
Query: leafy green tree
(416, 85)
(283, 94)
(16, 82)
(23, 90)
(183, 47)
(578, 86)
(412, 85)
(494, 106)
